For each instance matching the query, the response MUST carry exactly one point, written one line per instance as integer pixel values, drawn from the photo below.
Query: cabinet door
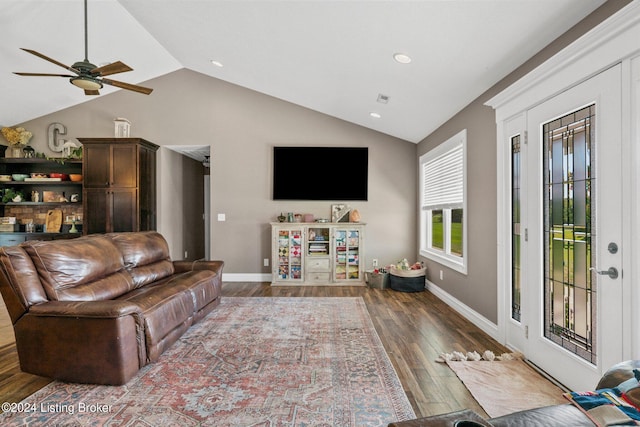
(110, 210)
(347, 255)
(288, 250)
(124, 166)
(97, 212)
(97, 166)
(124, 208)
(111, 166)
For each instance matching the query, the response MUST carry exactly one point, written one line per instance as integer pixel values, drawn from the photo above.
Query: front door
(571, 272)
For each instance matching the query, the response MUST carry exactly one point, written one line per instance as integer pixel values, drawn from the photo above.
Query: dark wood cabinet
(119, 184)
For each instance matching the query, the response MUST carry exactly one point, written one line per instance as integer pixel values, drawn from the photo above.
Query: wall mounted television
(320, 173)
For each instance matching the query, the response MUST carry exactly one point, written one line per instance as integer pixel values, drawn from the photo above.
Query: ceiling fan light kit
(88, 76)
(86, 83)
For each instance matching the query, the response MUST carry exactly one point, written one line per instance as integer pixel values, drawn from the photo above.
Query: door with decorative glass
(568, 281)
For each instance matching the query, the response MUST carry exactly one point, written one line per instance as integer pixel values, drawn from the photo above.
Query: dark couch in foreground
(549, 416)
(98, 308)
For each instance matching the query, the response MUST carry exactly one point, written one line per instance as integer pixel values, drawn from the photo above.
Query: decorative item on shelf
(68, 149)
(308, 217)
(290, 217)
(29, 152)
(75, 177)
(53, 197)
(355, 216)
(75, 198)
(17, 139)
(35, 196)
(9, 194)
(122, 127)
(54, 221)
(19, 176)
(340, 213)
(53, 130)
(281, 217)
(297, 218)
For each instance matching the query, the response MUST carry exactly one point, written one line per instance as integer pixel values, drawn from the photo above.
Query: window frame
(444, 257)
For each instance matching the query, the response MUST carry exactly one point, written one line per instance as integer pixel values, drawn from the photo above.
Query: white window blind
(443, 186)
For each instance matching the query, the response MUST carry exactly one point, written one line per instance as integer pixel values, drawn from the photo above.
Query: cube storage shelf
(316, 254)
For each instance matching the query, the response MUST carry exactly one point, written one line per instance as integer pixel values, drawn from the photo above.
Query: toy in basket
(405, 278)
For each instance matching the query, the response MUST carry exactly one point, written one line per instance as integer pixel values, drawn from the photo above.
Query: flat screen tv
(320, 173)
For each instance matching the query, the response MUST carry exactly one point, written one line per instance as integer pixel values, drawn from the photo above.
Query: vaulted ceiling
(335, 57)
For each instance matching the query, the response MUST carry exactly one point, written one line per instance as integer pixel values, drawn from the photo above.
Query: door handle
(612, 272)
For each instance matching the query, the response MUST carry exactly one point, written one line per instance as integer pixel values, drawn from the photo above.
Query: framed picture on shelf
(340, 213)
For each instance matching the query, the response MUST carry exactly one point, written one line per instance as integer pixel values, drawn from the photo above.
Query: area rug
(505, 386)
(251, 362)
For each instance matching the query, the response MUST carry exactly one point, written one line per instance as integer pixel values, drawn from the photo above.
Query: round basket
(408, 273)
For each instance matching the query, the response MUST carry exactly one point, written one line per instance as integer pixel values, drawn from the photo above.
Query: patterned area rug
(251, 362)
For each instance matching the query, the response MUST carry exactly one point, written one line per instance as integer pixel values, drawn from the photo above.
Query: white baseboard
(246, 277)
(474, 317)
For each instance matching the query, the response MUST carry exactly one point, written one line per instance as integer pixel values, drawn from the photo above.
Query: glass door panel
(347, 254)
(570, 297)
(289, 254)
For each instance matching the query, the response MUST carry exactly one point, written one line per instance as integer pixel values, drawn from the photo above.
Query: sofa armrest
(95, 309)
(99, 342)
(184, 266)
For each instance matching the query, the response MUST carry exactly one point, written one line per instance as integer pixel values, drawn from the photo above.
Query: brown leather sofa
(549, 416)
(98, 308)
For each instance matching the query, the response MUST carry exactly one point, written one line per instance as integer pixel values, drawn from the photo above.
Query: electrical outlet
(222, 217)
(441, 275)
(375, 262)
(266, 262)
(186, 254)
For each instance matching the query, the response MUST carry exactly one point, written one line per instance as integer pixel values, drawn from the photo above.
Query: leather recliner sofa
(96, 309)
(563, 415)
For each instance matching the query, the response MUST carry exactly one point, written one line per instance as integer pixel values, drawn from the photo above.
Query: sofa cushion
(145, 256)
(203, 285)
(167, 307)
(83, 269)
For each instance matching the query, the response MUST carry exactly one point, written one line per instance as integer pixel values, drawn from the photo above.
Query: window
(443, 222)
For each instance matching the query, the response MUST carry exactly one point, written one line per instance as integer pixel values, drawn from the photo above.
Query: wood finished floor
(415, 328)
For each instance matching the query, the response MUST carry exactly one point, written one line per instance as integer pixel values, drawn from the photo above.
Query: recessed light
(402, 58)
(217, 63)
(375, 115)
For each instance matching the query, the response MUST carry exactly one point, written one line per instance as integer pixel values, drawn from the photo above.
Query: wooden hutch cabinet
(119, 192)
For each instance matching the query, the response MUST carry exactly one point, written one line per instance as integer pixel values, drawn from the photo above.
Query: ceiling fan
(88, 76)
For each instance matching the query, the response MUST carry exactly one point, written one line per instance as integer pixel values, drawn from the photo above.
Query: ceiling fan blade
(113, 68)
(43, 74)
(46, 58)
(91, 92)
(128, 86)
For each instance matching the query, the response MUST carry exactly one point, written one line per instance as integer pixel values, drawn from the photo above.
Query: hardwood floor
(415, 328)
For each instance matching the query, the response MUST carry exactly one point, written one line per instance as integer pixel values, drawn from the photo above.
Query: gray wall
(478, 289)
(241, 127)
